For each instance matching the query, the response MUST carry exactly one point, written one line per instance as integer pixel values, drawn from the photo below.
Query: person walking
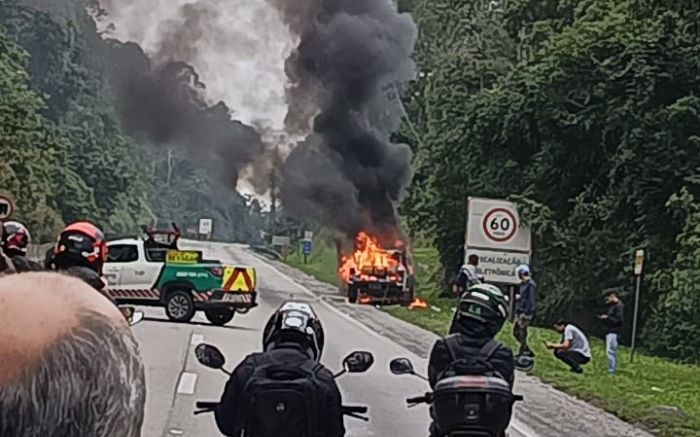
(467, 276)
(573, 349)
(524, 308)
(613, 320)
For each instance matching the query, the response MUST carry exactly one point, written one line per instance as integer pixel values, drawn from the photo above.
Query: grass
(321, 263)
(632, 394)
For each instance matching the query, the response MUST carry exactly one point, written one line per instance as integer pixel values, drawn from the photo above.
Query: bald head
(39, 308)
(69, 365)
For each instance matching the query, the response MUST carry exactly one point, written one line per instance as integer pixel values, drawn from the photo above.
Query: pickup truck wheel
(179, 306)
(407, 298)
(219, 316)
(352, 296)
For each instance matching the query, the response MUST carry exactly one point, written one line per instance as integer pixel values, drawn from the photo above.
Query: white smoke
(238, 47)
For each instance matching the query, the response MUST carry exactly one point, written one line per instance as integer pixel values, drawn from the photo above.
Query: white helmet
(522, 270)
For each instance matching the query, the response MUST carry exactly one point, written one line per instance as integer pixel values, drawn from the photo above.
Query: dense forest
(64, 153)
(586, 113)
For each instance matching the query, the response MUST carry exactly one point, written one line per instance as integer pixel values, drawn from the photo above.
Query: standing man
(524, 308)
(574, 349)
(613, 320)
(467, 276)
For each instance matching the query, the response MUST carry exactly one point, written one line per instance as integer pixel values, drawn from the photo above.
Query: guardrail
(270, 253)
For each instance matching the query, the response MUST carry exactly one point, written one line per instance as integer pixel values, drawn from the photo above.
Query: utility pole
(273, 193)
(639, 256)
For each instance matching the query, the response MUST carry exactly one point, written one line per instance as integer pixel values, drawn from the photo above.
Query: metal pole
(634, 320)
(305, 259)
(512, 302)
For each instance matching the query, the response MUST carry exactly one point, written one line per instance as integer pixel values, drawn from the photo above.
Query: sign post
(306, 248)
(205, 228)
(7, 208)
(638, 268)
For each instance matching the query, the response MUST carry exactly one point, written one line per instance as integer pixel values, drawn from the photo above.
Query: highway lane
(175, 379)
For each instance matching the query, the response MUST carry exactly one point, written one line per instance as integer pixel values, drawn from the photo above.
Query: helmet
(15, 238)
(522, 270)
(486, 304)
(524, 362)
(81, 244)
(295, 322)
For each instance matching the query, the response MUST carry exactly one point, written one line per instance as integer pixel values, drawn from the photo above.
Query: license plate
(236, 298)
(375, 286)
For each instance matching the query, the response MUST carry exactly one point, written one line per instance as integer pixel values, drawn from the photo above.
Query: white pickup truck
(142, 272)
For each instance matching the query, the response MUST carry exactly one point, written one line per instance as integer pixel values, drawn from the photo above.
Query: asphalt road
(176, 380)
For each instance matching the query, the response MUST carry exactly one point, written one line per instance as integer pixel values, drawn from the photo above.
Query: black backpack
(470, 361)
(283, 400)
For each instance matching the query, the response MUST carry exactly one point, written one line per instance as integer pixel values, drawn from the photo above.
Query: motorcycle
(356, 362)
(464, 406)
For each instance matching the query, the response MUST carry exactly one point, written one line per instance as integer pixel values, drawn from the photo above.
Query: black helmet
(81, 244)
(524, 362)
(295, 322)
(15, 239)
(486, 304)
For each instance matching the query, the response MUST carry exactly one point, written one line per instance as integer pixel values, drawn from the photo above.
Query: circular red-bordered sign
(6, 208)
(499, 225)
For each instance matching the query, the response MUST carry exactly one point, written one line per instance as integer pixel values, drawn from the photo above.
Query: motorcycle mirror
(401, 366)
(358, 362)
(209, 356)
(128, 312)
(136, 317)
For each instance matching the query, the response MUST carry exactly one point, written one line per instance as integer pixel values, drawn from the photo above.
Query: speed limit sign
(499, 225)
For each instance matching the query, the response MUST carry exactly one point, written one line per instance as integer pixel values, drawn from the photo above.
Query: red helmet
(81, 244)
(15, 238)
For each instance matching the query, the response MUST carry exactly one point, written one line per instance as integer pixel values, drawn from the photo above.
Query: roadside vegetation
(63, 153)
(654, 393)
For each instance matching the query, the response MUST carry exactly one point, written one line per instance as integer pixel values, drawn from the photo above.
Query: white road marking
(187, 384)
(196, 339)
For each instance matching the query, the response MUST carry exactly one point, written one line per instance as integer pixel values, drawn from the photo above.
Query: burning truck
(373, 274)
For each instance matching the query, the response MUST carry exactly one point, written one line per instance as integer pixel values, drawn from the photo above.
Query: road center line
(187, 384)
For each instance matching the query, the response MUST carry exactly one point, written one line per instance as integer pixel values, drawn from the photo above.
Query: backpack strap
(452, 343)
(489, 349)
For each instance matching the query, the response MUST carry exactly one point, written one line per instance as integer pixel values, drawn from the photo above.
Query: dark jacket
(616, 318)
(230, 419)
(528, 298)
(24, 264)
(472, 335)
(90, 277)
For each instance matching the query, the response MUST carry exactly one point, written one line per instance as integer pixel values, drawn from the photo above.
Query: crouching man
(574, 349)
(69, 365)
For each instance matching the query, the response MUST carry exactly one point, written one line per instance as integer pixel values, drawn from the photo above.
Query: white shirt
(579, 342)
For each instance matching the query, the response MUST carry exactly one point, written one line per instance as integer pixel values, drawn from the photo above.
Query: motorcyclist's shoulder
(86, 274)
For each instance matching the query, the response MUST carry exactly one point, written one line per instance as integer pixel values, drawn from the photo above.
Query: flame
(365, 300)
(418, 304)
(369, 261)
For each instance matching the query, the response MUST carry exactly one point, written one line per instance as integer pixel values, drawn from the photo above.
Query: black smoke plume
(348, 173)
(161, 99)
